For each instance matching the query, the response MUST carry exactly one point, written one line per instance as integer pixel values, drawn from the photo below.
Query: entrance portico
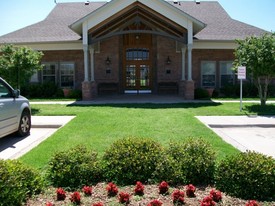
(136, 47)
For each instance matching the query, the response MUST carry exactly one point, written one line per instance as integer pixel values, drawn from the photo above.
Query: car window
(4, 91)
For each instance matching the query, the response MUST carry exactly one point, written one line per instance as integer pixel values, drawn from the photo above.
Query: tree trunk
(263, 89)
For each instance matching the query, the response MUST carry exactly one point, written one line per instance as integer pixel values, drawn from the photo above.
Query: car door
(8, 110)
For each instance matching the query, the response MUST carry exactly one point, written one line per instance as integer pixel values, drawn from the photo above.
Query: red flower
(207, 201)
(112, 189)
(124, 197)
(75, 198)
(190, 190)
(216, 195)
(178, 196)
(87, 190)
(155, 203)
(139, 189)
(98, 204)
(61, 194)
(163, 187)
(252, 203)
(49, 204)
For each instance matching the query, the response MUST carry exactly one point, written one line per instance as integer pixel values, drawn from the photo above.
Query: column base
(189, 90)
(89, 90)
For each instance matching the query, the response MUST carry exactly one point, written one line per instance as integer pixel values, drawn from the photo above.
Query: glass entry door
(137, 66)
(137, 69)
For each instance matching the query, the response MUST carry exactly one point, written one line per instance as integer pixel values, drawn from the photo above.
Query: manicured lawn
(99, 126)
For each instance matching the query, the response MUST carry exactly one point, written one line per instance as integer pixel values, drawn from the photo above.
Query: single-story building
(155, 46)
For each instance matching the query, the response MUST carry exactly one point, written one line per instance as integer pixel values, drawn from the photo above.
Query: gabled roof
(55, 28)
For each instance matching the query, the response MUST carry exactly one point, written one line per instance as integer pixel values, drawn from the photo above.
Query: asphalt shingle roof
(55, 28)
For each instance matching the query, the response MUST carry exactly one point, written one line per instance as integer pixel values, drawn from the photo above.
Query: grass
(98, 126)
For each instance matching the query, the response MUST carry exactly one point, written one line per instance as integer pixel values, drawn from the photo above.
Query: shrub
(44, 90)
(196, 159)
(130, 160)
(178, 197)
(248, 175)
(139, 189)
(252, 203)
(201, 93)
(190, 190)
(73, 168)
(75, 94)
(163, 187)
(18, 182)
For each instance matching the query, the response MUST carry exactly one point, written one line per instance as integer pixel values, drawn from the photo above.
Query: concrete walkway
(12, 146)
(256, 133)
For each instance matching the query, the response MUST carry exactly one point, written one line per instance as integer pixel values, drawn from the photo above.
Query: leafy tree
(258, 55)
(18, 64)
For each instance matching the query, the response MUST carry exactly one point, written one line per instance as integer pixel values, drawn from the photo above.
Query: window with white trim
(208, 74)
(227, 75)
(67, 75)
(49, 73)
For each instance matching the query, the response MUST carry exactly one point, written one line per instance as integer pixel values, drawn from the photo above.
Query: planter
(66, 92)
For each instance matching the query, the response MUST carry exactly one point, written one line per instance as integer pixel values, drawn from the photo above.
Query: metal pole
(241, 95)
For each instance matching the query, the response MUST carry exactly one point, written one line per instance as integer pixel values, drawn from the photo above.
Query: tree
(258, 55)
(18, 64)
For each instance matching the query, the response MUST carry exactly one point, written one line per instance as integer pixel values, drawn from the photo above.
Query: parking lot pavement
(12, 146)
(256, 133)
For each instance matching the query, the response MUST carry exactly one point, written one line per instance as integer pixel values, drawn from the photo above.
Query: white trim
(199, 44)
(54, 46)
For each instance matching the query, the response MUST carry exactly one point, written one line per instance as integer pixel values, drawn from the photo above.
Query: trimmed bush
(201, 93)
(74, 168)
(130, 160)
(196, 159)
(247, 175)
(18, 182)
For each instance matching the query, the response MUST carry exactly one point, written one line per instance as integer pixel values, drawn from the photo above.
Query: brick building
(125, 46)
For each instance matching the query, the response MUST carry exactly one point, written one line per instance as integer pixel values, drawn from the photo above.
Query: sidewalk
(255, 133)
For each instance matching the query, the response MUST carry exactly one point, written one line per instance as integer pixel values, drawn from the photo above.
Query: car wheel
(25, 124)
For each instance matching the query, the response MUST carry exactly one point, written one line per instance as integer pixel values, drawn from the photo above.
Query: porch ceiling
(138, 18)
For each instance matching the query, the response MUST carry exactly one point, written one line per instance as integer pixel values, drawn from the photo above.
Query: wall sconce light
(168, 60)
(108, 61)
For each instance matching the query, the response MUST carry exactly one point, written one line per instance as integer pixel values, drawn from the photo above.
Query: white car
(15, 111)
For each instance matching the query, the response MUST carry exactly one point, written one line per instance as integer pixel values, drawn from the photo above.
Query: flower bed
(151, 192)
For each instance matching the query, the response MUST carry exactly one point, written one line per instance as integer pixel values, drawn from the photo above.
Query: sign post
(241, 76)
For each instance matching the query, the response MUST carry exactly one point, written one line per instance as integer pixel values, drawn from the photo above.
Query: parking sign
(242, 72)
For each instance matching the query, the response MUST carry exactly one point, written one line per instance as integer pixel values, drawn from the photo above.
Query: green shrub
(74, 168)
(44, 90)
(130, 160)
(247, 175)
(76, 94)
(201, 93)
(17, 182)
(196, 159)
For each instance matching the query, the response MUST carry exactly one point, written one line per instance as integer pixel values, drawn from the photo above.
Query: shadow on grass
(150, 105)
(268, 109)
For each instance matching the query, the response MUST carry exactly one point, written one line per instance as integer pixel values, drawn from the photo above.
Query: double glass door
(137, 69)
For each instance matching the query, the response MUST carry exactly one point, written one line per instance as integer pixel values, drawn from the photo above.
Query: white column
(86, 50)
(189, 55)
(92, 58)
(183, 52)
(86, 62)
(189, 49)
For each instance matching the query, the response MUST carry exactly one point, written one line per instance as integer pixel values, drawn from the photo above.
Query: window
(137, 54)
(227, 76)
(49, 73)
(208, 74)
(67, 75)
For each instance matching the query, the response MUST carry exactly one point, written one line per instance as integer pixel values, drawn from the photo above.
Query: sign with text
(241, 72)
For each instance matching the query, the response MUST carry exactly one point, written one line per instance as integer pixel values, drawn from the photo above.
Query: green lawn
(99, 126)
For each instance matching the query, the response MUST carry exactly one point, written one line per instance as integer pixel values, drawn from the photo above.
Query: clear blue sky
(16, 14)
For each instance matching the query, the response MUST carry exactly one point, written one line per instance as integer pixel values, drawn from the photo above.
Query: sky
(16, 14)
